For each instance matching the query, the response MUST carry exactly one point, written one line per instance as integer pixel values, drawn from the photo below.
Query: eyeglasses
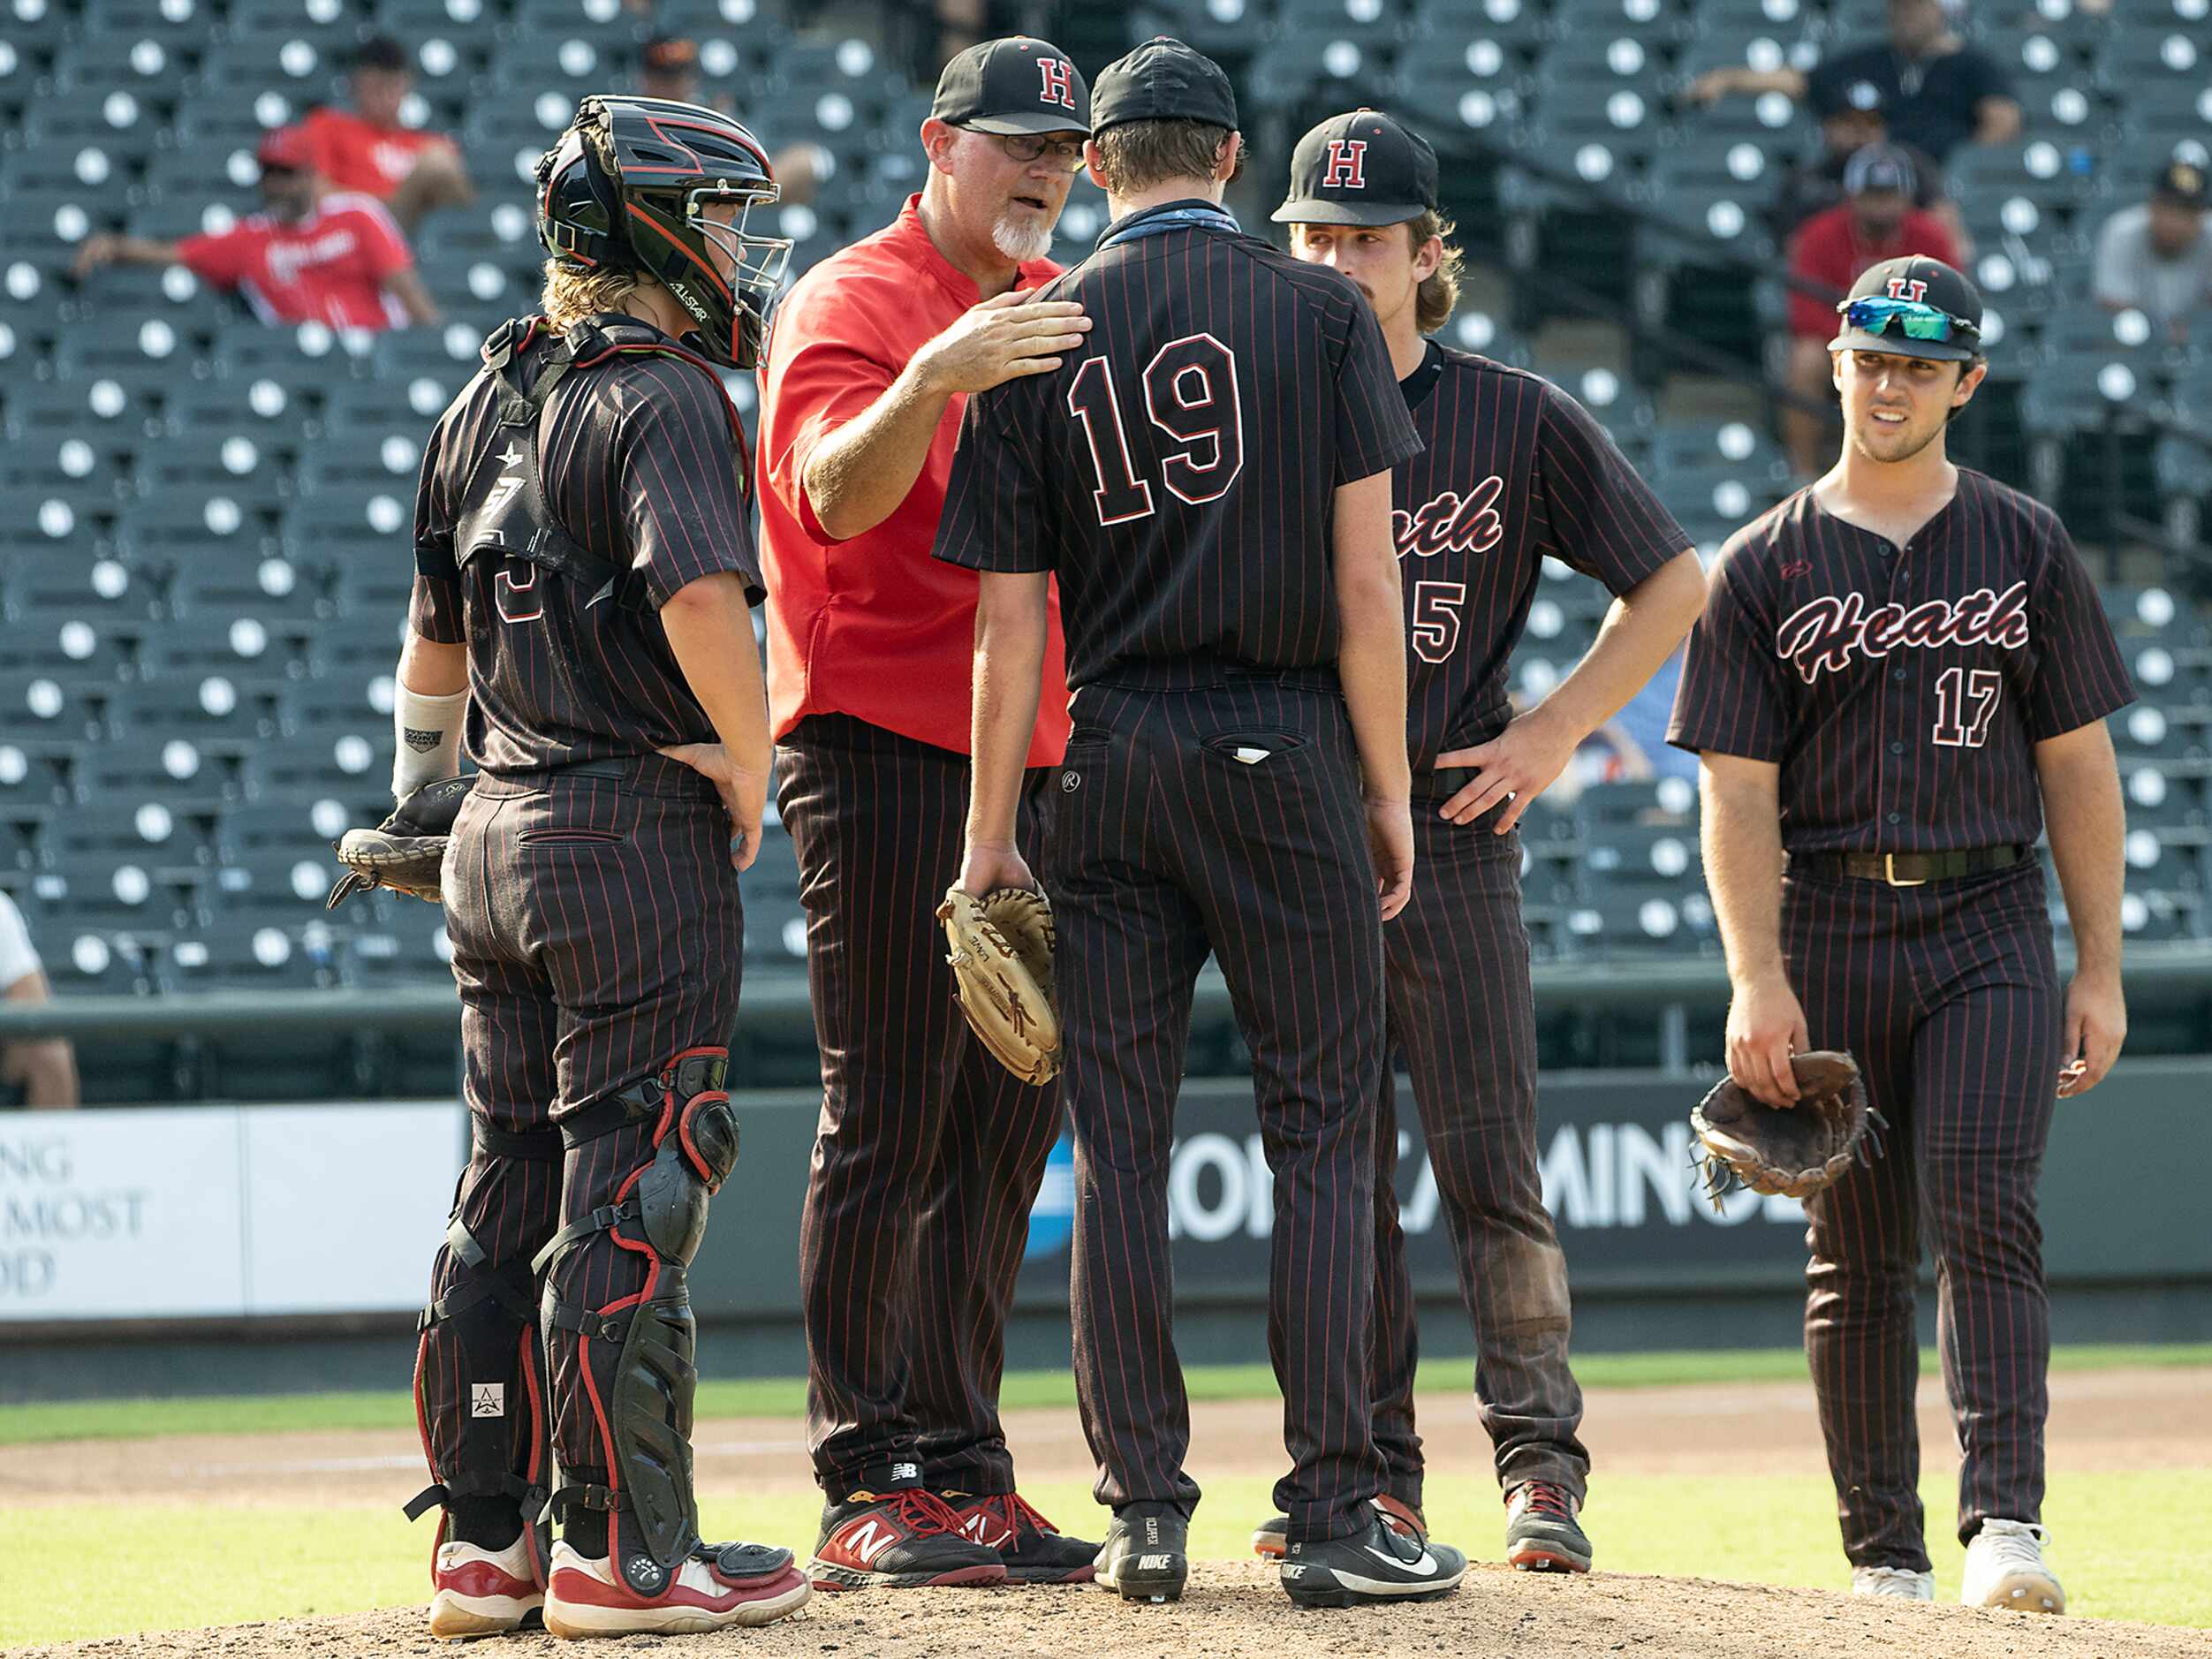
(1029, 146)
(1915, 320)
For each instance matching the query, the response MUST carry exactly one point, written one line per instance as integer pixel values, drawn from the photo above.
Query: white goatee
(1022, 237)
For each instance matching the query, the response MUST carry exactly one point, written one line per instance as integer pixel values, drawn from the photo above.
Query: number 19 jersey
(1179, 471)
(1513, 470)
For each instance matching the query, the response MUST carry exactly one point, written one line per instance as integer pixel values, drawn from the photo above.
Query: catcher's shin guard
(635, 1352)
(479, 1385)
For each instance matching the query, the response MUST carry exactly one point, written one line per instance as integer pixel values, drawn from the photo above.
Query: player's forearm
(45, 1071)
(1371, 657)
(140, 250)
(2087, 819)
(709, 629)
(1012, 621)
(1642, 629)
(1741, 836)
(407, 287)
(858, 475)
(433, 667)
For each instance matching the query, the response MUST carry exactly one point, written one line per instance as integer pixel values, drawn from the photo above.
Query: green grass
(171, 1566)
(786, 1396)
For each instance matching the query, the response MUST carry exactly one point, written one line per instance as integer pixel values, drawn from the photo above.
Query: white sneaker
(483, 1592)
(1895, 1584)
(2004, 1568)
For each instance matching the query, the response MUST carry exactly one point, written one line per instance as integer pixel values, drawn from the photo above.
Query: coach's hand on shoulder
(2096, 1024)
(1390, 843)
(1514, 767)
(743, 793)
(1765, 1027)
(1006, 337)
(987, 866)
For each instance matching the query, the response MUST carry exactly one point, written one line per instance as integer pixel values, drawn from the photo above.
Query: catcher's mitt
(406, 852)
(1002, 973)
(1794, 1151)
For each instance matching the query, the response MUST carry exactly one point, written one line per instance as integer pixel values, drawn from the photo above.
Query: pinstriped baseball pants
(1463, 1014)
(929, 1152)
(1949, 995)
(1167, 848)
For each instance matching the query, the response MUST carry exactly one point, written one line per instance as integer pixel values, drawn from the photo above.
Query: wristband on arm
(426, 733)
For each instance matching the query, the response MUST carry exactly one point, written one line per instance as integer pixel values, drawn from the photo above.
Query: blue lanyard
(1162, 220)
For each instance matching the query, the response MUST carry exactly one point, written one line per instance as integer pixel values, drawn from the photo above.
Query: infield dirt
(2102, 1420)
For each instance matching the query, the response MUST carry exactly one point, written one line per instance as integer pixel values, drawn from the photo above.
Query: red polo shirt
(1828, 249)
(872, 627)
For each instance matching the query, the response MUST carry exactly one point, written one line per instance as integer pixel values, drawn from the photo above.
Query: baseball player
(1899, 681)
(1512, 471)
(929, 1153)
(584, 561)
(1207, 475)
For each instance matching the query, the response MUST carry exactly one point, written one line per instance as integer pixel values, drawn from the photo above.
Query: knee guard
(644, 1420)
(479, 1384)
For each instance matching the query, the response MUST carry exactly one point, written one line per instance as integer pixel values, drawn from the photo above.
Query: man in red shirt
(1876, 221)
(314, 255)
(367, 149)
(929, 1153)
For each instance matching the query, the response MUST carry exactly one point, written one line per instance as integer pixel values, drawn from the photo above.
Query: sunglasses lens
(1914, 321)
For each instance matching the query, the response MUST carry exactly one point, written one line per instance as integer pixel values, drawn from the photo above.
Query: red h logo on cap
(1346, 159)
(1059, 88)
(1907, 288)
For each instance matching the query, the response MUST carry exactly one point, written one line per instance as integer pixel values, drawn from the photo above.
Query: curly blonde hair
(1439, 294)
(573, 293)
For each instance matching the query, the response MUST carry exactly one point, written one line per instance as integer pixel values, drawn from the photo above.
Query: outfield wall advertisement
(216, 1212)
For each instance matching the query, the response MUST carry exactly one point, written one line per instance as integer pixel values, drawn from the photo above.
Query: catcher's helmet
(628, 187)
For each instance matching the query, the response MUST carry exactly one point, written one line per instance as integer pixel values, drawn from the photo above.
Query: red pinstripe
(929, 1153)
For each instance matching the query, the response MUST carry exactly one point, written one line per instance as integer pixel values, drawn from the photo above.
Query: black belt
(1206, 672)
(1908, 869)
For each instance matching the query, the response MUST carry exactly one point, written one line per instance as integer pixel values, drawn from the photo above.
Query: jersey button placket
(1900, 703)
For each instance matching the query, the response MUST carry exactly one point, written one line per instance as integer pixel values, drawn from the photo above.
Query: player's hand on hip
(1391, 843)
(2096, 1024)
(1513, 769)
(987, 866)
(1006, 337)
(1766, 1025)
(744, 794)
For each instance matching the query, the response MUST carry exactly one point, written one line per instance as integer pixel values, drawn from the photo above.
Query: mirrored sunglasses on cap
(1915, 320)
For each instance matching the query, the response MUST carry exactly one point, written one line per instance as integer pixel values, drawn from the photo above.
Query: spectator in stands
(1876, 221)
(41, 1072)
(1936, 91)
(367, 149)
(1851, 118)
(669, 68)
(2156, 257)
(316, 254)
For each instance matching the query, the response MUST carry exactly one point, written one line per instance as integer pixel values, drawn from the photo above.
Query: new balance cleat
(898, 1541)
(1034, 1552)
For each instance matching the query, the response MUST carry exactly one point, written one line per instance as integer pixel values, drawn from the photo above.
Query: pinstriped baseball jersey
(1513, 469)
(1901, 689)
(1179, 471)
(640, 464)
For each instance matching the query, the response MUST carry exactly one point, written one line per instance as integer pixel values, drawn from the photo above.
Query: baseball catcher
(405, 852)
(1002, 973)
(1794, 1151)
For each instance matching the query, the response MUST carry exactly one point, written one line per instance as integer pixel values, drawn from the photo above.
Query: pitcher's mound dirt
(1234, 1609)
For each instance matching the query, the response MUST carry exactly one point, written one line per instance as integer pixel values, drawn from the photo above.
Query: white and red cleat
(482, 1592)
(715, 1586)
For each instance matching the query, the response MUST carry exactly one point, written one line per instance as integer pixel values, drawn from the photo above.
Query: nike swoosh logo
(1426, 1563)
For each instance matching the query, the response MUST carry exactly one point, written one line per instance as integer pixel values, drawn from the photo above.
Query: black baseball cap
(1163, 81)
(1359, 168)
(2180, 182)
(1879, 167)
(1920, 280)
(1017, 84)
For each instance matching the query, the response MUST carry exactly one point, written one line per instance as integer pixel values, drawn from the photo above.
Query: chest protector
(505, 513)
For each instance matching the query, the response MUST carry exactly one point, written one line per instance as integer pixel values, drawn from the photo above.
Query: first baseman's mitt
(406, 852)
(1002, 973)
(1794, 1151)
